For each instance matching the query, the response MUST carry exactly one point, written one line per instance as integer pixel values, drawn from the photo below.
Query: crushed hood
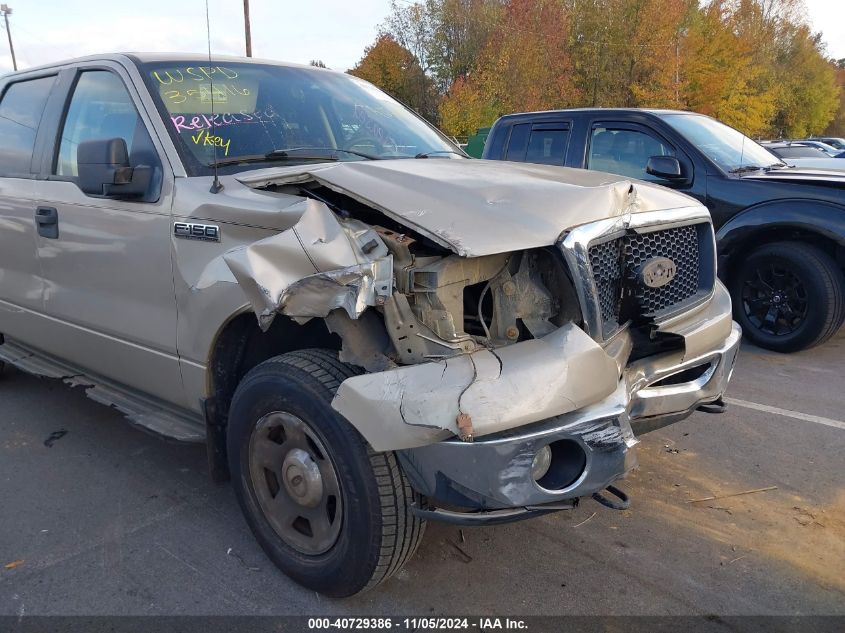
(480, 207)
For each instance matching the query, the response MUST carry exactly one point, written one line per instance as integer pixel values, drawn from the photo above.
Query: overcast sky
(335, 31)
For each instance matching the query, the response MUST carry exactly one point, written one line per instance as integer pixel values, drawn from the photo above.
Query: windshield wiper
(439, 151)
(742, 169)
(263, 158)
(292, 155)
(330, 150)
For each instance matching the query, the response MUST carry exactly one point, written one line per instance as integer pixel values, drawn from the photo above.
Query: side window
(518, 142)
(20, 112)
(547, 146)
(100, 109)
(624, 152)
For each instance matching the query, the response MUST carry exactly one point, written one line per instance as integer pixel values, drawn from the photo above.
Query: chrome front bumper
(494, 472)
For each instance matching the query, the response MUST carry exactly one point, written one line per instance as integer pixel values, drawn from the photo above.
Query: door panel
(20, 276)
(21, 106)
(108, 282)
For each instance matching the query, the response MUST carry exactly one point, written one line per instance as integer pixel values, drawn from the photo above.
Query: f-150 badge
(192, 231)
(657, 272)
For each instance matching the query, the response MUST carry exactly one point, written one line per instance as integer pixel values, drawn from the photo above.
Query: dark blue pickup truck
(781, 229)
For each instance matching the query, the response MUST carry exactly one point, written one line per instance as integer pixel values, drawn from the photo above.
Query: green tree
(809, 96)
(460, 31)
(720, 75)
(837, 125)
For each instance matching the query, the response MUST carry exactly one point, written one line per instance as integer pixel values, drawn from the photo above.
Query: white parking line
(786, 412)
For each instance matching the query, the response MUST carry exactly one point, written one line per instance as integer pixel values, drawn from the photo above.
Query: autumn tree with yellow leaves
(754, 64)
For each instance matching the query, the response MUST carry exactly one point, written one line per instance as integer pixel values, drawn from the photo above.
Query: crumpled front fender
(320, 264)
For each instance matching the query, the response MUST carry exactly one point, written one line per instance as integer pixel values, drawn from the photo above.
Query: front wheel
(788, 296)
(330, 512)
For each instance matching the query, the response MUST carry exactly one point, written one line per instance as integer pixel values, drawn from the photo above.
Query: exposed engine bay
(432, 303)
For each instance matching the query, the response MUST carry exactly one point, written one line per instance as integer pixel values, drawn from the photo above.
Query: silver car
(366, 328)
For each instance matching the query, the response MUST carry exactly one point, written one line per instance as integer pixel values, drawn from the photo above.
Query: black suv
(781, 229)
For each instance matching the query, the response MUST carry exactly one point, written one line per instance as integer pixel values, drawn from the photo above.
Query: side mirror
(667, 167)
(103, 170)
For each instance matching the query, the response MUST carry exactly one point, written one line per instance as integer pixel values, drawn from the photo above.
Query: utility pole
(6, 10)
(247, 30)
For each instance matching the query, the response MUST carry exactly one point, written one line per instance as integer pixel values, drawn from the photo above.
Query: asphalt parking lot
(110, 520)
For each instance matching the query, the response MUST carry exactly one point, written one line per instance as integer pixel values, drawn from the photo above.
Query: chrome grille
(681, 246)
(615, 265)
(605, 261)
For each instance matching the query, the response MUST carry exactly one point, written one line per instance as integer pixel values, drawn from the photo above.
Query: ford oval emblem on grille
(657, 272)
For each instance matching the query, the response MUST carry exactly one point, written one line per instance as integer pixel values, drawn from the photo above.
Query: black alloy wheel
(788, 296)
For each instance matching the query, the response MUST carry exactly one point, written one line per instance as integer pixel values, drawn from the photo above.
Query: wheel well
(764, 236)
(241, 345)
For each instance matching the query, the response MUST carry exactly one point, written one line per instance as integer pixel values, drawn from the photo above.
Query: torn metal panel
(354, 289)
(365, 343)
(449, 201)
(511, 386)
(320, 264)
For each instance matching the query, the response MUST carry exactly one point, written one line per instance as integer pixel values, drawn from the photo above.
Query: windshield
(725, 146)
(262, 112)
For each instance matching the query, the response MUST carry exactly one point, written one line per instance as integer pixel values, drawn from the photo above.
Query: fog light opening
(542, 462)
(566, 465)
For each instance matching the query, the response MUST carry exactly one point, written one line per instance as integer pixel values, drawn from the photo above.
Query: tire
(362, 530)
(788, 296)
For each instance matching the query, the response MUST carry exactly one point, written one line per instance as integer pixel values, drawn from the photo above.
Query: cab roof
(654, 111)
(143, 58)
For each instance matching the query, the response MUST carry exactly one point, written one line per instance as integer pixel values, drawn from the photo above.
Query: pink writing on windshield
(188, 123)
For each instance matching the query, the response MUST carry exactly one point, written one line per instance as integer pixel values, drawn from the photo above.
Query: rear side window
(518, 142)
(547, 145)
(20, 113)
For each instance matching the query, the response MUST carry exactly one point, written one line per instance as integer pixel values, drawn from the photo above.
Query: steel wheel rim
(775, 300)
(295, 483)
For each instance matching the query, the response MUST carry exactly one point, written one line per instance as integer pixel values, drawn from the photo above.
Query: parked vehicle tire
(330, 512)
(788, 296)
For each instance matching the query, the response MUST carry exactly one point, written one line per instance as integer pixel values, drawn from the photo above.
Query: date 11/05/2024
(419, 624)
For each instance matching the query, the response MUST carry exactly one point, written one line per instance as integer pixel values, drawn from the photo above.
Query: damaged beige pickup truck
(367, 329)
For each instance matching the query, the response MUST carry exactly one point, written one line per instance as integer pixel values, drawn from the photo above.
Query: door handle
(47, 219)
